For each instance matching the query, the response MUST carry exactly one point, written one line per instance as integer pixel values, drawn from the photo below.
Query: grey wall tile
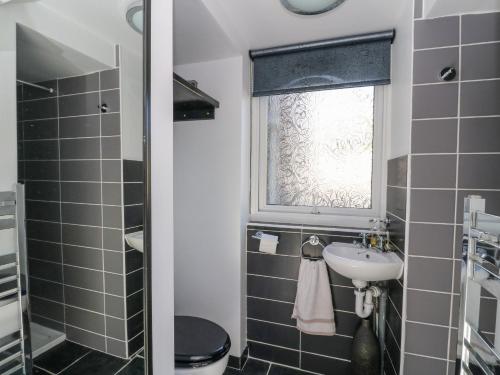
(42, 170)
(485, 67)
(435, 206)
(45, 251)
(475, 172)
(42, 129)
(82, 235)
(86, 320)
(112, 216)
(87, 170)
(133, 171)
(428, 64)
(480, 134)
(46, 289)
(45, 270)
(434, 171)
(82, 214)
(134, 281)
(134, 216)
(43, 231)
(271, 311)
(133, 193)
(83, 278)
(110, 79)
(111, 171)
(478, 28)
(277, 289)
(427, 340)
(39, 109)
(79, 84)
(84, 299)
(83, 126)
(332, 346)
(434, 136)
(115, 306)
(42, 190)
(435, 101)
(84, 148)
(397, 229)
(31, 93)
(113, 239)
(79, 105)
(111, 147)
(396, 201)
(83, 257)
(430, 274)
(431, 240)
(112, 99)
(116, 347)
(110, 124)
(274, 334)
(112, 193)
(480, 98)
(41, 150)
(113, 261)
(88, 339)
(416, 365)
(437, 32)
(397, 171)
(114, 284)
(115, 328)
(48, 309)
(274, 354)
(48, 211)
(81, 192)
(428, 307)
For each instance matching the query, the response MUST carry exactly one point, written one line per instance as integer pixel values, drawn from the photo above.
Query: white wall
(131, 104)
(400, 96)
(211, 173)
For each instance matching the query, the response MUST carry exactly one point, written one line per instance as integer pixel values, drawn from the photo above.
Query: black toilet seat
(199, 342)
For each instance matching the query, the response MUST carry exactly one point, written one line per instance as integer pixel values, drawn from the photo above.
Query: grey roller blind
(360, 60)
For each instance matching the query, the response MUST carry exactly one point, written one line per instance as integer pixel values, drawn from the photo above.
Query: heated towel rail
(479, 332)
(12, 345)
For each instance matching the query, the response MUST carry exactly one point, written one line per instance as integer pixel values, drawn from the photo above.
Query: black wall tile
(79, 105)
(274, 334)
(324, 365)
(277, 289)
(271, 265)
(274, 354)
(79, 84)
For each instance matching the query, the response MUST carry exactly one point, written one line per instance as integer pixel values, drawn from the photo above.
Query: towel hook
(313, 240)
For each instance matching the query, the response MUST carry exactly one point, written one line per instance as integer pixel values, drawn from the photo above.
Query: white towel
(313, 304)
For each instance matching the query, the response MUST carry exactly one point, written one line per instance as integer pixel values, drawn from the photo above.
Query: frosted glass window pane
(320, 148)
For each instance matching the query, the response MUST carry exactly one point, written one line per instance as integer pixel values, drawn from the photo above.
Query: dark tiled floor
(256, 367)
(73, 359)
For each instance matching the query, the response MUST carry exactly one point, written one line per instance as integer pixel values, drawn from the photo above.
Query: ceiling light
(310, 7)
(135, 16)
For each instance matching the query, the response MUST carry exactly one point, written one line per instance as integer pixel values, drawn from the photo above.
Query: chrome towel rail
(313, 240)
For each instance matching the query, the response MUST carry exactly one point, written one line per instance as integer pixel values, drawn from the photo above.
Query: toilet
(201, 347)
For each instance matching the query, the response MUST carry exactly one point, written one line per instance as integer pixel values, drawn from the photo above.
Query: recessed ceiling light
(135, 16)
(310, 7)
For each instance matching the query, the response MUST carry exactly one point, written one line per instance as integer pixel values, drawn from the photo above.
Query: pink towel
(313, 304)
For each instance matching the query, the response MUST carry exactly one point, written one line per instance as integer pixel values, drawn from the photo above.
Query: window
(318, 153)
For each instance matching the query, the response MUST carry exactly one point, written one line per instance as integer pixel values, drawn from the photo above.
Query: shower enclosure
(70, 286)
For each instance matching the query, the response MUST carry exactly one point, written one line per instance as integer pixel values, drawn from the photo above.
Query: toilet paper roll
(268, 243)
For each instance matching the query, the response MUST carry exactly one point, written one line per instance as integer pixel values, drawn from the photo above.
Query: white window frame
(351, 217)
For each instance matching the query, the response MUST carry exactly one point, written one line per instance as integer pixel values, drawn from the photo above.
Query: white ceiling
(53, 59)
(105, 18)
(265, 23)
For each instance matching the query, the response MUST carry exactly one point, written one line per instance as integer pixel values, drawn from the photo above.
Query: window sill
(331, 221)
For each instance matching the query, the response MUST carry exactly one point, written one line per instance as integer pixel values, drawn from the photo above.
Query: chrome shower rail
(48, 89)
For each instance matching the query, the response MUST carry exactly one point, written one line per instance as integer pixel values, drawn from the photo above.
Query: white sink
(135, 240)
(362, 265)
